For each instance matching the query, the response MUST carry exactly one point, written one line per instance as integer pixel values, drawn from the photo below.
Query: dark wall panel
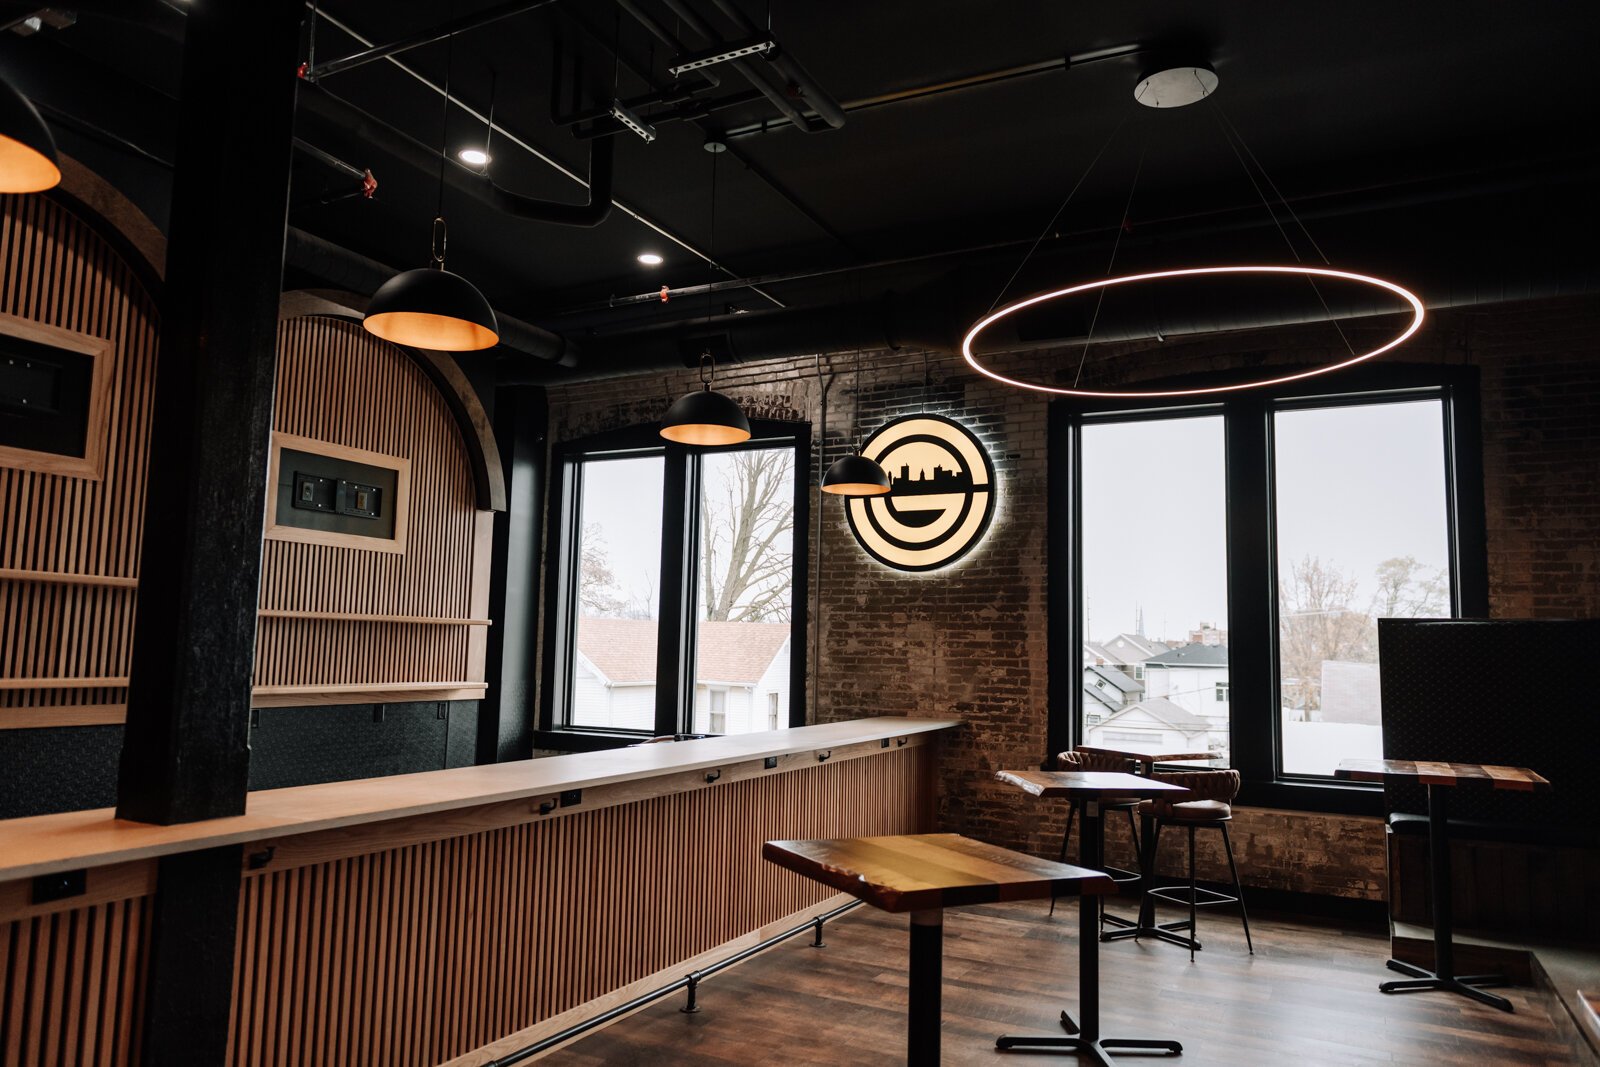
(70, 768)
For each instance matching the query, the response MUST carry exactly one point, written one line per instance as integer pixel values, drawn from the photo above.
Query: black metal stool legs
(1238, 889)
(1194, 896)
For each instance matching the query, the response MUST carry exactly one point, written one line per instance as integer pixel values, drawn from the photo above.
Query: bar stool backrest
(1203, 785)
(1093, 761)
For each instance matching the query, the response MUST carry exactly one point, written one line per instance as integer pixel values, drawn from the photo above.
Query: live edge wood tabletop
(916, 872)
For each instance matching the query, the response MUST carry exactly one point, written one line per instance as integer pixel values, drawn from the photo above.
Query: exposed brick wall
(970, 641)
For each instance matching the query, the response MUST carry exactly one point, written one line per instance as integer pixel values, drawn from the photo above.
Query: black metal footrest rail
(690, 982)
(1203, 897)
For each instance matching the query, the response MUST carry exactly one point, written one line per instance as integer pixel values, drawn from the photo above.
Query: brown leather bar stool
(1211, 805)
(1098, 761)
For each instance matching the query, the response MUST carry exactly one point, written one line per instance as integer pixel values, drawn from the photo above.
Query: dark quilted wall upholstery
(1515, 693)
(49, 770)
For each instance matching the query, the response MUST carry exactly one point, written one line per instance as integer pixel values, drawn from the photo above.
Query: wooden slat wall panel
(56, 270)
(338, 383)
(71, 986)
(419, 954)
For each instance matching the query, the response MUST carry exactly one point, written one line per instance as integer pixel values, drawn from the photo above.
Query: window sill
(585, 740)
(1331, 798)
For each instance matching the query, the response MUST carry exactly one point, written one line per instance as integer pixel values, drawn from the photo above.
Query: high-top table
(1439, 778)
(1090, 788)
(923, 874)
(1145, 925)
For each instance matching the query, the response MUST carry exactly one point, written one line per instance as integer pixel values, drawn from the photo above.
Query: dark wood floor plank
(1307, 998)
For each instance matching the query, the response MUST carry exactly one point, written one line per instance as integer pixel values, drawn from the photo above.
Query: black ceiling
(1364, 100)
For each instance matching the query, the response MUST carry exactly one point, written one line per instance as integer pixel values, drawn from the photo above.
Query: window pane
(745, 589)
(1155, 586)
(1362, 534)
(618, 594)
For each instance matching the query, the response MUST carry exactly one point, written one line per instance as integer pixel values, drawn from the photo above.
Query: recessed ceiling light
(473, 157)
(650, 259)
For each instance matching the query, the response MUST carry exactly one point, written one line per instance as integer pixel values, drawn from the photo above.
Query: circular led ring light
(1105, 283)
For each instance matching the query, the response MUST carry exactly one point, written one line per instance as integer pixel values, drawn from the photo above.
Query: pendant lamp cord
(444, 146)
(1123, 226)
(1235, 141)
(1051, 224)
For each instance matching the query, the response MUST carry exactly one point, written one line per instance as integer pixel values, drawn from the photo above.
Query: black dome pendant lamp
(430, 307)
(706, 418)
(28, 161)
(855, 474)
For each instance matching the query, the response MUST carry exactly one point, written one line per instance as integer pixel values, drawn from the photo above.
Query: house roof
(624, 650)
(1131, 648)
(1113, 677)
(1164, 710)
(1191, 656)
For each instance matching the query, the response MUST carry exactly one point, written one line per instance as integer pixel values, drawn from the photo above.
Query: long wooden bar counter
(451, 916)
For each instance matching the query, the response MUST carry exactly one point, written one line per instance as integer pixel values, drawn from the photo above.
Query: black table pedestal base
(1095, 1051)
(1088, 1043)
(1467, 985)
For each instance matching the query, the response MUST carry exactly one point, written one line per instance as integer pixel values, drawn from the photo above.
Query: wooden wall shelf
(64, 683)
(15, 574)
(280, 696)
(63, 715)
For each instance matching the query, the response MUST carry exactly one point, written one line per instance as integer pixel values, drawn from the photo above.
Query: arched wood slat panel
(322, 636)
(69, 546)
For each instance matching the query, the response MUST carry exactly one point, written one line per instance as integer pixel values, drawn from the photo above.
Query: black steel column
(924, 1012)
(186, 753)
(189, 985)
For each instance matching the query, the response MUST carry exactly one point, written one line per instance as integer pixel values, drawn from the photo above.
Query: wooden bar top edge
(46, 844)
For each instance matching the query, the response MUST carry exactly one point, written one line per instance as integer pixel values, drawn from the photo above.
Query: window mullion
(1253, 693)
(675, 635)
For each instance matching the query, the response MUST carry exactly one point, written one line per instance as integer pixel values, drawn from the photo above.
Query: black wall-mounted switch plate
(571, 797)
(314, 493)
(770, 763)
(60, 886)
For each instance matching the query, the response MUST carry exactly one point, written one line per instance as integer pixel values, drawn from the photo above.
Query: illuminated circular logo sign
(941, 494)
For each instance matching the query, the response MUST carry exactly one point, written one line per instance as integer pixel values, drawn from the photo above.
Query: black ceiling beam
(821, 101)
(753, 72)
(429, 36)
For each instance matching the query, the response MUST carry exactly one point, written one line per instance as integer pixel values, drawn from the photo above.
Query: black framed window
(677, 589)
(1229, 559)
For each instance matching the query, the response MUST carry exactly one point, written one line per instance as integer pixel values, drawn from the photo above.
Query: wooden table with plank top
(1090, 788)
(1439, 777)
(923, 874)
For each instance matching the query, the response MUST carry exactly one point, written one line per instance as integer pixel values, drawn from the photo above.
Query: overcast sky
(1356, 486)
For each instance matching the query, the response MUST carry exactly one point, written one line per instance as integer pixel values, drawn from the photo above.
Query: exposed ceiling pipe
(954, 85)
(821, 101)
(350, 271)
(318, 101)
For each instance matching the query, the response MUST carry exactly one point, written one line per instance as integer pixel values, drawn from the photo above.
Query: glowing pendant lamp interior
(28, 161)
(855, 475)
